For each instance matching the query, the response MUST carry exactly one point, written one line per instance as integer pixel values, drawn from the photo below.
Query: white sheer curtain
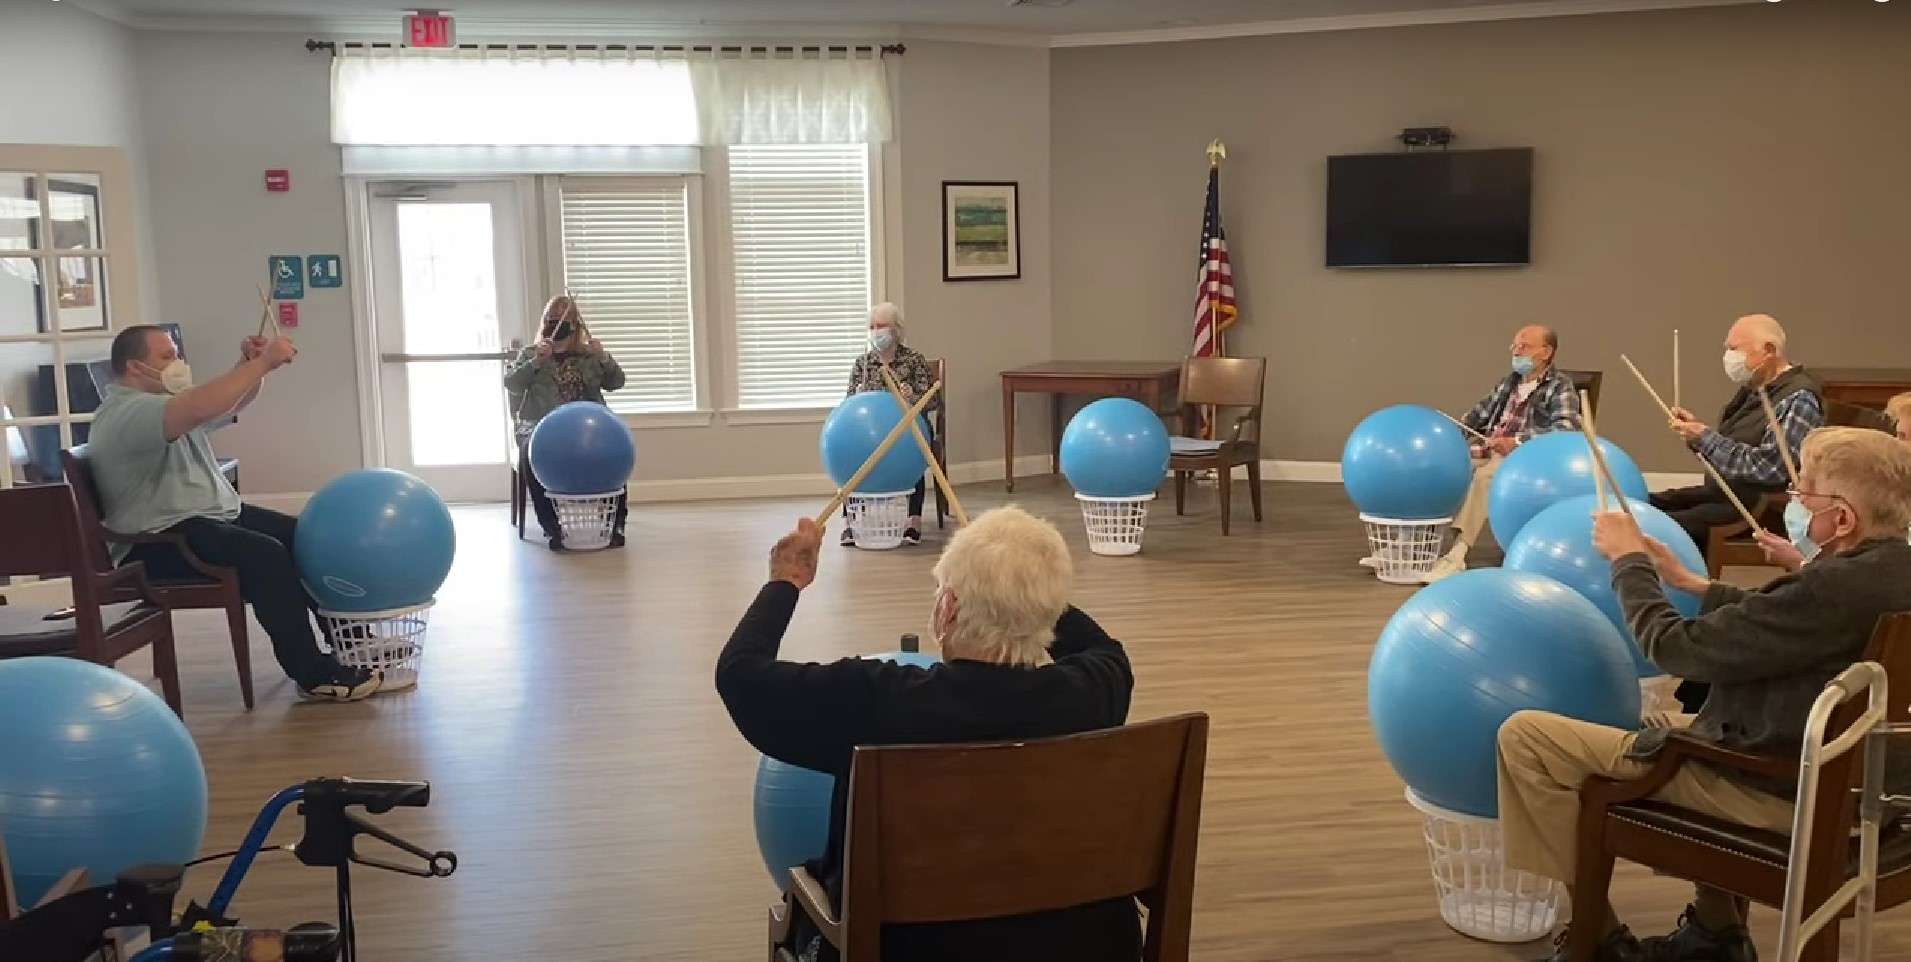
(765, 97)
(395, 96)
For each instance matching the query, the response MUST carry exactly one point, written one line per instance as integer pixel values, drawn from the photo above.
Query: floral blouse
(913, 373)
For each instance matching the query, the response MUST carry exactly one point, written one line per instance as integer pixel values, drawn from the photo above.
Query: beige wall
(221, 108)
(1691, 166)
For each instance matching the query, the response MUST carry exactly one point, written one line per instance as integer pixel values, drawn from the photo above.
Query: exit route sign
(429, 28)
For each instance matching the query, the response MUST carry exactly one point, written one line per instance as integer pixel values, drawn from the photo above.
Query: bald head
(1538, 342)
(1759, 340)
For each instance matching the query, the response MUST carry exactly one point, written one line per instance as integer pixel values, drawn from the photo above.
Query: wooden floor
(599, 800)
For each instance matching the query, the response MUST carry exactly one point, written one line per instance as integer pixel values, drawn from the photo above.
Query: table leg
(1055, 434)
(1008, 435)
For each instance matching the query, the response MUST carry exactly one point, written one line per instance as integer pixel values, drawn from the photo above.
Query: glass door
(448, 279)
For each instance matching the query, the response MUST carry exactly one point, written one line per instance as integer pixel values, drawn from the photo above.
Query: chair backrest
(950, 832)
(1237, 382)
(43, 538)
(86, 503)
(1587, 381)
(940, 366)
(1843, 414)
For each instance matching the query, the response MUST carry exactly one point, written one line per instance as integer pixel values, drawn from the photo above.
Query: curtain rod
(332, 47)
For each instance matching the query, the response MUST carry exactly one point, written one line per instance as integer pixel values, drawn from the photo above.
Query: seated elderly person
(1017, 662)
(1534, 399)
(914, 375)
(1767, 654)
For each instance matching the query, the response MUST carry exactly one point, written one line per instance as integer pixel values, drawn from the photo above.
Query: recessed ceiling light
(1040, 3)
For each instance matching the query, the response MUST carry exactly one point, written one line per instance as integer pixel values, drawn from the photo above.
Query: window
(626, 251)
(65, 288)
(800, 238)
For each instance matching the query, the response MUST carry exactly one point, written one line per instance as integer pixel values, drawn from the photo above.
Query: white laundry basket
(877, 520)
(389, 641)
(1403, 550)
(1114, 524)
(1480, 896)
(586, 520)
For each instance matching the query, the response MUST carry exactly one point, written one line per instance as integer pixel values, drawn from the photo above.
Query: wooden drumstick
(265, 312)
(1707, 465)
(1592, 441)
(1656, 399)
(1778, 435)
(1462, 426)
(895, 434)
(928, 452)
(1675, 369)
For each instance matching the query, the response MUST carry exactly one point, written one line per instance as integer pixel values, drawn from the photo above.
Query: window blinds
(626, 244)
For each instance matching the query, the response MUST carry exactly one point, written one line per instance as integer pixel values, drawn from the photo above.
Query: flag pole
(1218, 152)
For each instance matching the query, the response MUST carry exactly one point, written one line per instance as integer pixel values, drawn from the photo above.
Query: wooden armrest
(814, 900)
(1680, 748)
(178, 542)
(1770, 766)
(73, 881)
(126, 579)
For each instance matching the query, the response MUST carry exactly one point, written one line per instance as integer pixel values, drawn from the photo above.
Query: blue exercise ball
(856, 429)
(1558, 543)
(1115, 448)
(374, 540)
(1406, 463)
(582, 448)
(97, 773)
(792, 803)
(1547, 470)
(1465, 653)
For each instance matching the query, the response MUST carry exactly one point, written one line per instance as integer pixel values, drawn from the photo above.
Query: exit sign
(428, 28)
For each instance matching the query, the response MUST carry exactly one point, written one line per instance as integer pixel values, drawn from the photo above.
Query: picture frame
(981, 230)
(77, 285)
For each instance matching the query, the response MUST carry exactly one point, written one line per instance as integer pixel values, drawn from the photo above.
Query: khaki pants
(1472, 515)
(1545, 757)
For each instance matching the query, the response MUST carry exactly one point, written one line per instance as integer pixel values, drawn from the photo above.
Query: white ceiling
(1075, 21)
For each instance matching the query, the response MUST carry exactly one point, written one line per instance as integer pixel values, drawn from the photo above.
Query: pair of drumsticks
(910, 425)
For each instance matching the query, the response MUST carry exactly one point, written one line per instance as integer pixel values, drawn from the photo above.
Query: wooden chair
(1069, 821)
(1617, 820)
(45, 539)
(520, 484)
(940, 443)
(217, 588)
(1840, 414)
(1222, 382)
(1587, 381)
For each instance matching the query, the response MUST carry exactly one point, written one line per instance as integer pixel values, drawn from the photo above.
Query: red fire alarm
(278, 180)
(428, 28)
(288, 314)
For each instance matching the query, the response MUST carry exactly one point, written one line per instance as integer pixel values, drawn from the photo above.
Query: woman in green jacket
(566, 364)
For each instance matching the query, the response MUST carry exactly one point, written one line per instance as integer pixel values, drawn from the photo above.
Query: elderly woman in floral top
(913, 374)
(566, 364)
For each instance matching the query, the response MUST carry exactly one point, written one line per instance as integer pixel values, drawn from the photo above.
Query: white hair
(1765, 328)
(1010, 573)
(1869, 469)
(887, 311)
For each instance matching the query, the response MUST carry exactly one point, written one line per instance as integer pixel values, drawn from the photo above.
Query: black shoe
(350, 684)
(617, 539)
(1693, 942)
(557, 542)
(848, 539)
(1620, 946)
(911, 536)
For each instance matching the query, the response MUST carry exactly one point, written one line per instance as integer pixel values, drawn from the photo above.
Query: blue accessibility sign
(288, 277)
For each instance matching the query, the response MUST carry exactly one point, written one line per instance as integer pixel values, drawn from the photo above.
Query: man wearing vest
(1743, 447)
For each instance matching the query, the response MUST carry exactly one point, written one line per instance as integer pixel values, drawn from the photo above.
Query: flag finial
(1217, 152)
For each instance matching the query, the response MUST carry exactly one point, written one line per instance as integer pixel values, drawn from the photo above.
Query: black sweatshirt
(814, 715)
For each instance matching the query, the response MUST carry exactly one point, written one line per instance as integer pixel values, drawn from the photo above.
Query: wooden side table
(1153, 383)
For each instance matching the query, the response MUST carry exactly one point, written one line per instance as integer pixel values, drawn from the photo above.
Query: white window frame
(119, 258)
(878, 288)
(700, 309)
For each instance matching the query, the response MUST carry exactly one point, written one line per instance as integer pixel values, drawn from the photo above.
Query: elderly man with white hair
(1742, 447)
(913, 373)
(1767, 654)
(1017, 662)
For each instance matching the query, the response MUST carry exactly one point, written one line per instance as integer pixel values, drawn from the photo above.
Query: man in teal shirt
(156, 472)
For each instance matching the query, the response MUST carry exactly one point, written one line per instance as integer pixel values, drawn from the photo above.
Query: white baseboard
(968, 472)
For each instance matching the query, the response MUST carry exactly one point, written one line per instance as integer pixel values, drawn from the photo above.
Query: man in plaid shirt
(1743, 447)
(1535, 398)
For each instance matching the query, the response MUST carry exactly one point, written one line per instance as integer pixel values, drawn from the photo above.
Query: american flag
(1214, 309)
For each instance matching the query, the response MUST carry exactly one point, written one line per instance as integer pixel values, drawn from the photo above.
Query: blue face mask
(1798, 528)
(882, 339)
(1522, 365)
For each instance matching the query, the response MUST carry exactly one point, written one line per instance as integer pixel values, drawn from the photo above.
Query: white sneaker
(345, 689)
(1448, 566)
(1370, 562)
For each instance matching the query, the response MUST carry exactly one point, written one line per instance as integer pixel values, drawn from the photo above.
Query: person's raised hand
(1502, 446)
(1688, 429)
(1682, 414)
(1672, 570)
(794, 557)
(544, 350)
(1616, 535)
(594, 345)
(251, 347)
(1779, 552)
(278, 352)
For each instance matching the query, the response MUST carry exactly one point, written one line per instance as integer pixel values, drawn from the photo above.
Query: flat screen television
(1442, 208)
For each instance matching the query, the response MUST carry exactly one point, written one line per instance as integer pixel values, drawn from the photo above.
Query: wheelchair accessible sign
(288, 277)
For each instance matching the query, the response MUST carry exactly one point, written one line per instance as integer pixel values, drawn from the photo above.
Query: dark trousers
(547, 512)
(259, 544)
(1701, 508)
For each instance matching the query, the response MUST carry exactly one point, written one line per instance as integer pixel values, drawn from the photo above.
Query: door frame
(364, 299)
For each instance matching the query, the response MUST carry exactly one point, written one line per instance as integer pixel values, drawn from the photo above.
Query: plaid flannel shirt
(1553, 406)
(1799, 413)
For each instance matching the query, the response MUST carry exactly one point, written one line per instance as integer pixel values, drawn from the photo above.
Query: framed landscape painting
(981, 231)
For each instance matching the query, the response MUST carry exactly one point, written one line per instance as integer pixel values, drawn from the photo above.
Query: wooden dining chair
(216, 588)
(1587, 382)
(44, 539)
(1021, 827)
(1618, 820)
(1222, 383)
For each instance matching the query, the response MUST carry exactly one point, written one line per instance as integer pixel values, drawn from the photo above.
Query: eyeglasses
(1795, 494)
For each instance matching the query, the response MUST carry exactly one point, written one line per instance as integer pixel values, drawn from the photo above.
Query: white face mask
(1736, 368)
(175, 377)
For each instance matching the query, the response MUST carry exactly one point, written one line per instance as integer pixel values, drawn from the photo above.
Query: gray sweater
(1769, 653)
